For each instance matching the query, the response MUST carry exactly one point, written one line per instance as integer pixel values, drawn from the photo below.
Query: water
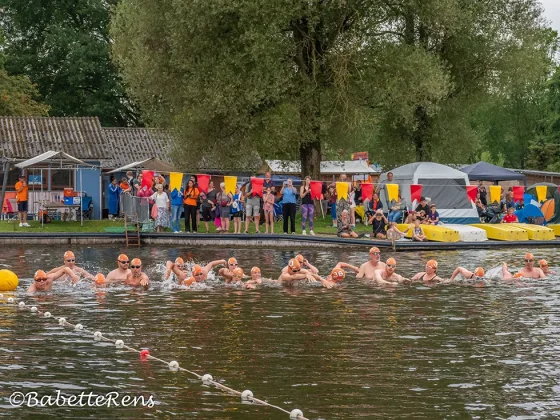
(357, 351)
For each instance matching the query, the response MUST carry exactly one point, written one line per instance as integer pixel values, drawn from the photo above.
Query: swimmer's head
(374, 253)
(294, 266)
(255, 272)
(99, 279)
(123, 261)
(529, 258)
(179, 262)
(543, 264)
(391, 264)
(338, 274)
(40, 276)
(479, 272)
(300, 258)
(432, 264)
(232, 262)
(69, 257)
(238, 273)
(136, 263)
(198, 272)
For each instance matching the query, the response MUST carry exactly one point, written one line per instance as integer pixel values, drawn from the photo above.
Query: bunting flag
(257, 186)
(541, 193)
(203, 181)
(367, 191)
(415, 192)
(175, 181)
(518, 191)
(472, 190)
(392, 192)
(316, 190)
(231, 182)
(495, 193)
(342, 190)
(147, 178)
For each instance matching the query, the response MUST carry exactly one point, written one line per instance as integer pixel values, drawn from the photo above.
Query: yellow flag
(495, 193)
(175, 181)
(342, 190)
(541, 193)
(392, 192)
(231, 182)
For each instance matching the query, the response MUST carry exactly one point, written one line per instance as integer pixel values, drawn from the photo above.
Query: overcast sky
(552, 12)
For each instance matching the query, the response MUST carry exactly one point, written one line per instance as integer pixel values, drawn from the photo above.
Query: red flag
(472, 190)
(257, 186)
(147, 178)
(415, 192)
(203, 181)
(367, 191)
(316, 189)
(518, 192)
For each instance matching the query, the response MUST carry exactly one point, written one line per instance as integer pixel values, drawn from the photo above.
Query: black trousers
(190, 215)
(289, 210)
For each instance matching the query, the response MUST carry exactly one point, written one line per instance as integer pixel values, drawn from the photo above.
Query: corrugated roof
(26, 137)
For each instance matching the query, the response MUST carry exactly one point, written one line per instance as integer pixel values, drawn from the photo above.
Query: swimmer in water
(304, 264)
(543, 265)
(136, 277)
(387, 274)
(338, 274)
(70, 262)
(179, 268)
(528, 271)
(296, 273)
(477, 275)
(237, 276)
(430, 275)
(227, 272)
(368, 269)
(198, 276)
(121, 273)
(256, 278)
(43, 282)
(100, 280)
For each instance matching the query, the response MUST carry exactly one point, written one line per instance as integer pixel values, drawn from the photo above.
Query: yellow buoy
(8, 281)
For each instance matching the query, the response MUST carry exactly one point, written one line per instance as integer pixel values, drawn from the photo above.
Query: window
(61, 178)
(13, 176)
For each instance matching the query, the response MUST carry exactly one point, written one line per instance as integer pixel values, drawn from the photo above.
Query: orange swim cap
(68, 254)
(238, 272)
(136, 261)
(391, 261)
(294, 264)
(529, 256)
(338, 274)
(197, 269)
(300, 258)
(122, 257)
(517, 275)
(255, 270)
(179, 261)
(39, 274)
(543, 263)
(232, 261)
(433, 264)
(479, 272)
(99, 278)
(374, 249)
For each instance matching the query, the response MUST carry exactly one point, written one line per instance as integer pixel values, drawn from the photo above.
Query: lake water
(354, 352)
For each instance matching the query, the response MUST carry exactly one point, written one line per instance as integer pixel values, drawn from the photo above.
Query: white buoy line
(207, 379)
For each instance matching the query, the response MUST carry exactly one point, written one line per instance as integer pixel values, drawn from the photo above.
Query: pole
(5, 180)
(42, 199)
(81, 196)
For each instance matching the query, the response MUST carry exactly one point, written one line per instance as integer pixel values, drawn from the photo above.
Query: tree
(63, 47)
(18, 96)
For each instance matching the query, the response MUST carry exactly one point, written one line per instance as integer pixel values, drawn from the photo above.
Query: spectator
(224, 200)
(507, 202)
(483, 193)
(22, 192)
(268, 207)
(345, 227)
(382, 186)
(331, 201)
(372, 206)
(125, 186)
(268, 182)
(190, 197)
(346, 204)
(237, 210)
(397, 210)
(379, 225)
(307, 206)
(423, 205)
(510, 217)
(393, 232)
(289, 192)
(423, 217)
(131, 182)
(358, 193)
(114, 193)
(418, 232)
(252, 208)
(176, 209)
(519, 205)
(411, 218)
(207, 207)
(138, 184)
(433, 215)
(161, 201)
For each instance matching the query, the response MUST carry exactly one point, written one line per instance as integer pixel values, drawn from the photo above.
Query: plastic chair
(278, 216)
(87, 208)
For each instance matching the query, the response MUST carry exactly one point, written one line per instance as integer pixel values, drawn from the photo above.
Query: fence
(135, 209)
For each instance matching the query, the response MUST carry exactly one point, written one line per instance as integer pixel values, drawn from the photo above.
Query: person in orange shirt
(189, 201)
(22, 197)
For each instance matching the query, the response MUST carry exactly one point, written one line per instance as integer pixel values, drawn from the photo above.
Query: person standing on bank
(307, 206)
(289, 192)
(22, 191)
(190, 198)
(176, 208)
(114, 195)
(161, 201)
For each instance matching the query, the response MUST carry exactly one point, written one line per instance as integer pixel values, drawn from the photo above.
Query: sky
(552, 12)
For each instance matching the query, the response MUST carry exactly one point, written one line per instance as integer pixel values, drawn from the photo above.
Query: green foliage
(18, 96)
(63, 47)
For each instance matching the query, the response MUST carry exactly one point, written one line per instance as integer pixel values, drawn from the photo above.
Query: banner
(316, 190)
(472, 191)
(367, 191)
(147, 178)
(342, 190)
(202, 182)
(518, 191)
(175, 181)
(231, 182)
(257, 186)
(415, 192)
(392, 191)
(541, 193)
(495, 193)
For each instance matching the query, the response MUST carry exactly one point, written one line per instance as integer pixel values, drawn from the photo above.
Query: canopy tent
(552, 194)
(484, 171)
(151, 164)
(443, 185)
(52, 160)
(329, 167)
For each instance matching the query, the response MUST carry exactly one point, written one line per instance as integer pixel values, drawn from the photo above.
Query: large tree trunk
(310, 147)
(310, 154)
(421, 135)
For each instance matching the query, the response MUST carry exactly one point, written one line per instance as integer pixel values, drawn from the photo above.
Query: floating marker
(33, 309)
(1, 295)
(119, 344)
(10, 300)
(97, 335)
(79, 327)
(21, 304)
(295, 414)
(173, 365)
(144, 354)
(207, 378)
(47, 314)
(61, 321)
(246, 395)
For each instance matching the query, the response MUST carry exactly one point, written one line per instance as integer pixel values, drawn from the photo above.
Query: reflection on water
(356, 351)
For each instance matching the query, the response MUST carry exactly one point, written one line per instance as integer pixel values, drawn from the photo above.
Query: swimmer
(468, 275)
(295, 273)
(528, 271)
(543, 265)
(121, 273)
(70, 262)
(256, 278)
(387, 274)
(136, 277)
(368, 269)
(178, 268)
(198, 276)
(237, 276)
(430, 275)
(306, 265)
(227, 272)
(338, 274)
(43, 282)
(100, 280)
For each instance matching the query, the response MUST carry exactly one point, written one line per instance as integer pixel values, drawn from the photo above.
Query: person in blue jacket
(114, 192)
(176, 210)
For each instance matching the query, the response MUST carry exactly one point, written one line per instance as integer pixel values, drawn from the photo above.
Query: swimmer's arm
(145, 281)
(224, 272)
(169, 265)
(54, 270)
(350, 267)
(84, 273)
(326, 284)
(311, 267)
(417, 277)
(213, 264)
(32, 289)
(377, 277)
(291, 277)
(541, 274)
(110, 277)
(188, 282)
(361, 272)
(58, 274)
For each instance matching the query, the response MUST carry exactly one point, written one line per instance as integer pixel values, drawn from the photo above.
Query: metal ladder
(134, 239)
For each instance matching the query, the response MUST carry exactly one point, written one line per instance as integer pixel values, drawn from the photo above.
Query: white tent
(329, 167)
(151, 164)
(442, 185)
